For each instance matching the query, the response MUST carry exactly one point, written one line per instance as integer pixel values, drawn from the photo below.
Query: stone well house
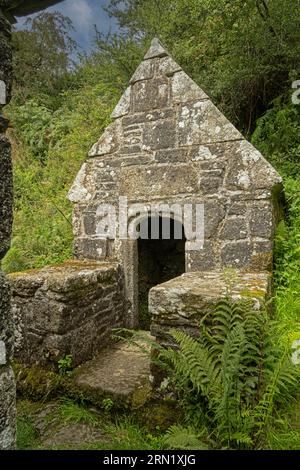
(169, 144)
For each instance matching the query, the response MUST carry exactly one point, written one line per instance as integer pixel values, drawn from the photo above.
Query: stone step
(121, 372)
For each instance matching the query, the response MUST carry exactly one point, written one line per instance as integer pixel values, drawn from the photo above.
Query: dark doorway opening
(161, 257)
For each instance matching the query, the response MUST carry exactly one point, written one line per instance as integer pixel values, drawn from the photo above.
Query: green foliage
(233, 379)
(27, 434)
(49, 150)
(71, 412)
(179, 437)
(36, 424)
(42, 51)
(144, 315)
(65, 365)
(277, 136)
(35, 124)
(244, 54)
(107, 404)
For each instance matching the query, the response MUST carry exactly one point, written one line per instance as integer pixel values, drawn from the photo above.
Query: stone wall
(7, 384)
(66, 309)
(181, 302)
(170, 144)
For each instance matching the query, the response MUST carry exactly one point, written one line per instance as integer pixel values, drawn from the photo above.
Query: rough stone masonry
(8, 8)
(7, 385)
(170, 144)
(65, 309)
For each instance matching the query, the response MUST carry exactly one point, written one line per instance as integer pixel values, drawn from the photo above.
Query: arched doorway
(161, 257)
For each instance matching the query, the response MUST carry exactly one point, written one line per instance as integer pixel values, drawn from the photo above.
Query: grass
(27, 435)
(286, 435)
(119, 433)
(71, 412)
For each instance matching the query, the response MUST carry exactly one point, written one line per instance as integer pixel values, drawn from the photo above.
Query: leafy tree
(244, 53)
(42, 56)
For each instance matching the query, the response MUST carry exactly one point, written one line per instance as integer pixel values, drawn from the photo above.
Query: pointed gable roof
(183, 87)
(165, 117)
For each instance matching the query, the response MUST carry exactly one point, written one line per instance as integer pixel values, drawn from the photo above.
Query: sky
(84, 15)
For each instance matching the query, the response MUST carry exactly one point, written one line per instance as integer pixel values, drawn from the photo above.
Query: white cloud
(80, 12)
(84, 15)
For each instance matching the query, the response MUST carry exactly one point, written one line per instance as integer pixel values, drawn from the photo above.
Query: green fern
(178, 437)
(231, 378)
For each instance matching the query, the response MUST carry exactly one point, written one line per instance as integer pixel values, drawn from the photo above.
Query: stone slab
(117, 371)
(181, 302)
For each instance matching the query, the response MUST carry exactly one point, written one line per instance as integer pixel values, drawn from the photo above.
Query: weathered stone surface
(2, 92)
(172, 156)
(214, 212)
(237, 254)
(150, 94)
(262, 256)
(6, 196)
(234, 229)
(109, 141)
(123, 105)
(237, 208)
(173, 146)
(6, 324)
(248, 169)
(167, 66)
(87, 248)
(7, 383)
(202, 260)
(66, 309)
(7, 408)
(159, 135)
(185, 89)
(210, 184)
(141, 117)
(5, 57)
(156, 50)
(183, 301)
(201, 122)
(144, 71)
(118, 371)
(142, 183)
(79, 191)
(261, 220)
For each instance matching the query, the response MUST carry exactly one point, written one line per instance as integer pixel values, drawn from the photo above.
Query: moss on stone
(159, 415)
(37, 383)
(141, 396)
(253, 293)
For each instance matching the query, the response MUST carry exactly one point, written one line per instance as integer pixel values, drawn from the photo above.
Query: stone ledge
(181, 302)
(70, 308)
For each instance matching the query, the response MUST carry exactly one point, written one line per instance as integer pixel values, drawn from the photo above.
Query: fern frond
(178, 437)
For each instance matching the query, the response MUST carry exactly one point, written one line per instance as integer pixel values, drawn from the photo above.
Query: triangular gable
(164, 114)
